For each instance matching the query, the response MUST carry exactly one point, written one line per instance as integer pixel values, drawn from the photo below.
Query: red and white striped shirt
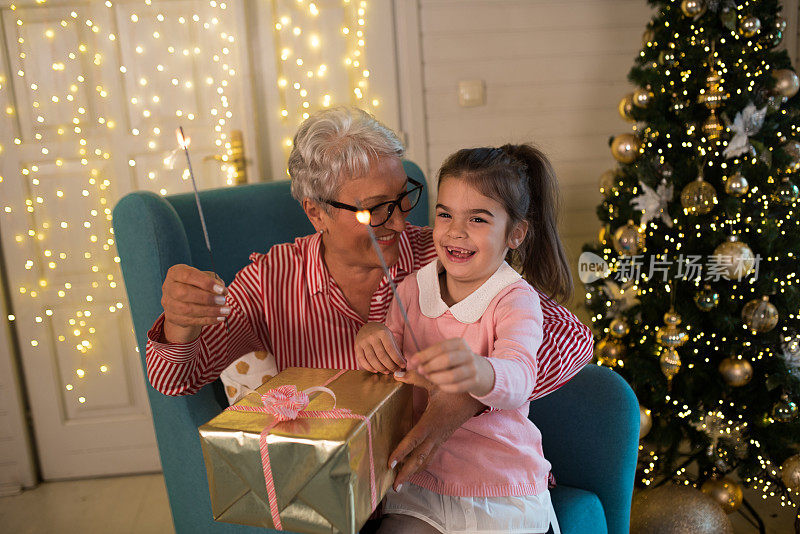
(285, 302)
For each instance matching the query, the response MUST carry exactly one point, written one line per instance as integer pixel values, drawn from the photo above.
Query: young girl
(479, 325)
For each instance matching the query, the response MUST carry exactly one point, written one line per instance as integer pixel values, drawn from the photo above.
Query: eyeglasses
(381, 213)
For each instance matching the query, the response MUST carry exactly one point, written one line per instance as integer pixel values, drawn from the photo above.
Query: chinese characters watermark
(592, 267)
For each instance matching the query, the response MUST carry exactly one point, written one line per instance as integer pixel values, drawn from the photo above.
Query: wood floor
(138, 505)
(119, 505)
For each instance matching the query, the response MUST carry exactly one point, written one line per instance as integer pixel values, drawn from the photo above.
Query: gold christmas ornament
(619, 328)
(760, 315)
(592, 294)
(749, 26)
(706, 299)
(698, 197)
(673, 509)
(736, 185)
(779, 24)
(625, 148)
(609, 352)
(693, 8)
(713, 127)
(713, 96)
(792, 149)
(670, 335)
(790, 473)
(628, 240)
(670, 362)
(648, 36)
(790, 345)
(626, 107)
(784, 410)
(608, 182)
(775, 37)
(666, 58)
(645, 421)
(787, 193)
(604, 234)
(764, 421)
(642, 97)
(786, 82)
(735, 258)
(726, 493)
(736, 372)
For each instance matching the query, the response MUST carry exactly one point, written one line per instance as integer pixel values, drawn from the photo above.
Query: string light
(304, 82)
(73, 129)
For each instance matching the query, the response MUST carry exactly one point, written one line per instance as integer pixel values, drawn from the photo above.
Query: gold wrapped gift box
(320, 467)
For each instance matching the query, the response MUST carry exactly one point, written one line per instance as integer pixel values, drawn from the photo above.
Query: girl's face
(471, 235)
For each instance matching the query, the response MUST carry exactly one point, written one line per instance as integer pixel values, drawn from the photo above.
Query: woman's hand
(444, 414)
(191, 299)
(376, 350)
(454, 368)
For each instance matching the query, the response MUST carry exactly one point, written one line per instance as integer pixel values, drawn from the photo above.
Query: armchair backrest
(590, 435)
(154, 233)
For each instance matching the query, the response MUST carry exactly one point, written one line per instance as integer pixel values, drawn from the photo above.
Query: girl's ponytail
(543, 259)
(523, 180)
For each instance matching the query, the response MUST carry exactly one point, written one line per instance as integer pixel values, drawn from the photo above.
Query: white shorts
(527, 514)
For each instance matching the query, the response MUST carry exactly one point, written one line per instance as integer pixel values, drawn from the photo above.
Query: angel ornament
(746, 124)
(653, 202)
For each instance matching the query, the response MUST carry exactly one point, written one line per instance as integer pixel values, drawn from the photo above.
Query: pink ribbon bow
(286, 403)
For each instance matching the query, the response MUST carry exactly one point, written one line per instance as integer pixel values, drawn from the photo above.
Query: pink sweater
(500, 452)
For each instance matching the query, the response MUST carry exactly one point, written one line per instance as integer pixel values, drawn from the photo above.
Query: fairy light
(303, 62)
(80, 146)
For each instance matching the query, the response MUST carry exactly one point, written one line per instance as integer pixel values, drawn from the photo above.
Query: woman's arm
(183, 368)
(567, 346)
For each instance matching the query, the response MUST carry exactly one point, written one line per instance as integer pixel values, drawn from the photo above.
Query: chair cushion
(578, 511)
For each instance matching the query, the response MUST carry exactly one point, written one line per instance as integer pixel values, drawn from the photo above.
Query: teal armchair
(590, 426)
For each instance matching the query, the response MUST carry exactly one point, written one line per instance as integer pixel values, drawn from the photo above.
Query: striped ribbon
(286, 403)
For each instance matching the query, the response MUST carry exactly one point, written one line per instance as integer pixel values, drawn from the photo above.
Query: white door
(91, 100)
(91, 96)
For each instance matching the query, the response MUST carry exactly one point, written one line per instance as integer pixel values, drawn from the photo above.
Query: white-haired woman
(304, 302)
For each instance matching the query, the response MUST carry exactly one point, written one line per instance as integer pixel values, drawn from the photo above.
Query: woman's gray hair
(333, 145)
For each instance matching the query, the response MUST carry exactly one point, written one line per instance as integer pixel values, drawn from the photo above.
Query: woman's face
(347, 237)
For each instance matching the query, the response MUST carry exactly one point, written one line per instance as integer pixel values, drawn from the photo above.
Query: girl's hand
(454, 368)
(376, 350)
(409, 376)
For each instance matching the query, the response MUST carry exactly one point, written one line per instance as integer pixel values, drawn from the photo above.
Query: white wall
(554, 73)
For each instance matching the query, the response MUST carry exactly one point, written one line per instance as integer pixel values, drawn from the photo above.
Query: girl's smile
(458, 255)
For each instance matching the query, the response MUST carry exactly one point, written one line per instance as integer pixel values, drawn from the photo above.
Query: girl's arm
(518, 337)
(505, 379)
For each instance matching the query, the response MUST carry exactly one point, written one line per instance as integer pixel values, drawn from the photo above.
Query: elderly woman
(304, 302)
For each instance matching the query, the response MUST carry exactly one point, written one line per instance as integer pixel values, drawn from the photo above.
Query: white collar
(470, 309)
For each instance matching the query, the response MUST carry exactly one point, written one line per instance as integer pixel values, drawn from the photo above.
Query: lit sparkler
(363, 217)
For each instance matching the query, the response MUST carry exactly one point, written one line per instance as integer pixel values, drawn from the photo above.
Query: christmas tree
(693, 287)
